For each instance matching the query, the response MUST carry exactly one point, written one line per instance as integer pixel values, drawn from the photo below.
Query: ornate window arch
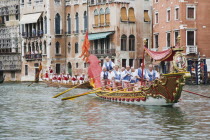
(57, 24)
(131, 43)
(123, 42)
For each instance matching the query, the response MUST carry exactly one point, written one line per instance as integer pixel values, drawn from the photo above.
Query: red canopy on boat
(166, 55)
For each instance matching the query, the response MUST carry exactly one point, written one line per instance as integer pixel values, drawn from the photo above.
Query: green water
(30, 113)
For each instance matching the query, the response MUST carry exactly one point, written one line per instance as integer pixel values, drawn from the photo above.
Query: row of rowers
(66, 78)
(111, 73)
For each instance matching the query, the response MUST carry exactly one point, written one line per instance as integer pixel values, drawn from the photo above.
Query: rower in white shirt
(108, 64)
(126, 77)
(104, 77)
(116, 77)
(152, 74)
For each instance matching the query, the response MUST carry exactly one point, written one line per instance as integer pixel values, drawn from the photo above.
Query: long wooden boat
(164, 91)
(69, 85)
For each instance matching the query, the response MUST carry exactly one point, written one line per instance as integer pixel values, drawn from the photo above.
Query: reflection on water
(32, 113)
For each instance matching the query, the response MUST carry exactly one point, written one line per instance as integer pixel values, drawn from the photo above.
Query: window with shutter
(124, 16)
(146, 16)
(107, 16)
(131, 15)
(96, 17)
(102, 17)
(190, 12)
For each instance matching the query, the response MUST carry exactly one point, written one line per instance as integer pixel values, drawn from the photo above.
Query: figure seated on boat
(108, 64)
(116, 78)
(82, 78)
(54, 79)
(46, 76)
(126, 77)
(104, 78)
(66, 79)
(151, 74)
(74, 79)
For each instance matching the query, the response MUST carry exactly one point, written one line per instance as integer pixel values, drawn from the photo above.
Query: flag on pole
(85, 48)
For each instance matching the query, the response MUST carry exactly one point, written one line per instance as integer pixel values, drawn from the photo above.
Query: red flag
(85, 48)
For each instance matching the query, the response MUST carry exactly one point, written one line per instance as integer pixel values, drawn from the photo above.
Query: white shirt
(157, 75)
(134, 75)
(108, 63)
(113, 74)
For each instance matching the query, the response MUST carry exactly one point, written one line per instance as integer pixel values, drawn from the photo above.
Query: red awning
(166, 55)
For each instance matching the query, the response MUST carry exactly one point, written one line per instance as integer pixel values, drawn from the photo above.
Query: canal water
(30, 113)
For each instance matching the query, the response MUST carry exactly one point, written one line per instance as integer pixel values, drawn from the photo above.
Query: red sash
(74, 79)
(65, 78)
(54, 78)
(59, 78)
(81, 78)
(46, 75)
(51, 71)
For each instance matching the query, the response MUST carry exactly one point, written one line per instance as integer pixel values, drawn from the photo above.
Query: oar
(86, 93)
(196, 93)
(30, 84)
(66, 91)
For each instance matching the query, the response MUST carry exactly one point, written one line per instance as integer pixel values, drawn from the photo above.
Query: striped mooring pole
(199, 69)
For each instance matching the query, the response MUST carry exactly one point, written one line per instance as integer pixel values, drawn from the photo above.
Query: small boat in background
(2, 79)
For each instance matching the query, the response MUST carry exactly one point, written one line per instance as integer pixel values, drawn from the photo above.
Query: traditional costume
(51, 73)
(74, 80)
(104, 78)
(116, 78)
(126, 77)
(82, 79)
(108, 65)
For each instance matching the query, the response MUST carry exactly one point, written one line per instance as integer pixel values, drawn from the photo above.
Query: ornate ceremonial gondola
(164, 91)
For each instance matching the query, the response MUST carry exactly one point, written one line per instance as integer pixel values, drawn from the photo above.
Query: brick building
(189, 19)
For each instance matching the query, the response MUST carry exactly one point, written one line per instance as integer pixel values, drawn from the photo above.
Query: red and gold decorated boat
(164, 91)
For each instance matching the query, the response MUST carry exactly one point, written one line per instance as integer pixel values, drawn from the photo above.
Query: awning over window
(30, 18)
(99, 35)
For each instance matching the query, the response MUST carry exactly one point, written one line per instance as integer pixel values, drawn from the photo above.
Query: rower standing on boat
(139, 74)
(104, 77)
(74, 79)
(126, 77)
(108, 64)
(116, 77)
(46, 76)
(51, 73)
(152, 74)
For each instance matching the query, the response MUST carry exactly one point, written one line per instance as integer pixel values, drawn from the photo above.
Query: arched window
(69, 24)
(131, 43)
(123, 42)
(57, 48)
(57, 24)
(77, 22)
(102, 19)
(77, 65)
(76, 48)
(85, 21)
(45, 25)
(123, 13)
(92, 1)
(96, 17)
(131, 15)
(107, 16)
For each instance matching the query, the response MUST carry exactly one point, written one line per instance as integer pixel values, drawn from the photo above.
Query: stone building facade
(10, 58)
(187, 18)
(53, 33)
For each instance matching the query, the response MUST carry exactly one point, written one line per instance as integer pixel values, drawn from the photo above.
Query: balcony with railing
(191, 50)
(33, 57)
(76, 32)
(68, 33)
(33, 34)
(101, 24)
(103, 53)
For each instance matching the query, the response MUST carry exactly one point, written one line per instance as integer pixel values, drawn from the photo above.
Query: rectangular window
(190, 12)
(146, 16)
(146, 43)
(168, 42)
(123, 62)
(176, 34)
(13, 74)
(156, 1)
(176, 13)
(190, 38)
(76, 48)
(131, 62)
(156, 41)
(168, 15)
(26, 70)
(156, 18)
(58, 68)
(7, 18)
